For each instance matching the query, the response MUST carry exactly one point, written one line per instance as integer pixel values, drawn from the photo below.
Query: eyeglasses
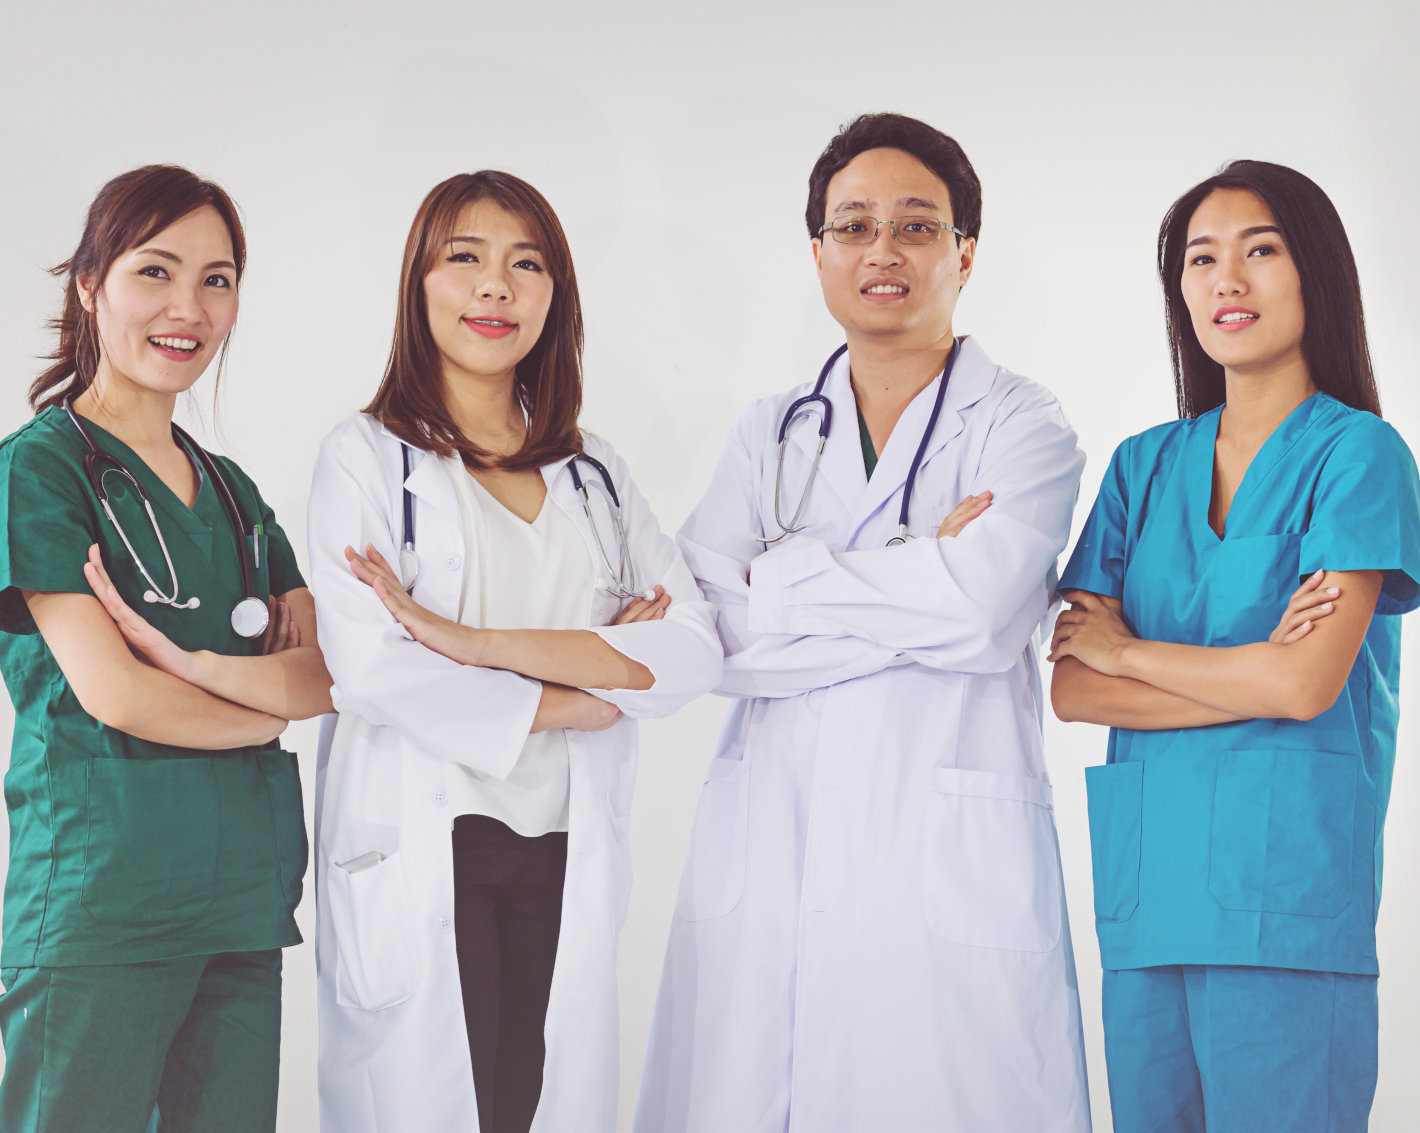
(904, 229)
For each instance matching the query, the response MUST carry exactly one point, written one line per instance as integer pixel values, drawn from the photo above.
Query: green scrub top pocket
(151, 853)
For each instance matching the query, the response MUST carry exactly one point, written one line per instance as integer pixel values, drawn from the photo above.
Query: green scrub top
(122, 850)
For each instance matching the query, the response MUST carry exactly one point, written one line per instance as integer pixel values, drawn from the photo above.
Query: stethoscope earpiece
(151, 598)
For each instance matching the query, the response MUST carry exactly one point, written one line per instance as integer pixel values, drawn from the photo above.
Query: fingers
(268, 639)
(645, 609)
(962, 514)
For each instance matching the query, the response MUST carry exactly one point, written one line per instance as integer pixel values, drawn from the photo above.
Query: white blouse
(519, 575)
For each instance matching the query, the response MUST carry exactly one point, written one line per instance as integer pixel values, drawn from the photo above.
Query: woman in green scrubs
(156, 835)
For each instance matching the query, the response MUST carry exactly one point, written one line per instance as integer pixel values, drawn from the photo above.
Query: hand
(644, 609)
(147, 643)
(963, 514)
(282, 632)
(562, 707)
(1093, 631)
(456, 642)
(1308, 605)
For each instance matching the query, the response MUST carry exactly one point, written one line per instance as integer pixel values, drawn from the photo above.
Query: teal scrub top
(123, 850)
(1257, 842)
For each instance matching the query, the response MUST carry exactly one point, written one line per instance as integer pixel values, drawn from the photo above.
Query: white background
(675, 142)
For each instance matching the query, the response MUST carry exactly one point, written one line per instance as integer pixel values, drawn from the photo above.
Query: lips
(884, 289)
(175, 347)
(490, 327)
(1234, 318)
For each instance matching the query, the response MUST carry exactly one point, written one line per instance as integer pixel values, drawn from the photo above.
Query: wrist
(1129, 660)
(480, 648)
(194, 666)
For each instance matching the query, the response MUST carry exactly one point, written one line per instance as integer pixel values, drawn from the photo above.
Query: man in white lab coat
(871, 931)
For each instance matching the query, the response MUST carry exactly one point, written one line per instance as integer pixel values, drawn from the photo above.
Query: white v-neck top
(519, 575)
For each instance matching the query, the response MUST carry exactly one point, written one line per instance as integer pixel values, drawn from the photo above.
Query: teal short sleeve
(48, 525)
(1098, 561)
(1366, 513)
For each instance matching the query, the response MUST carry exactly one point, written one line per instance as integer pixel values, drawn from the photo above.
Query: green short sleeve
(48, 519)
(283, 573)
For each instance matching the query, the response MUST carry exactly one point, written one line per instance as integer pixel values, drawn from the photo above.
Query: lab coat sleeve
(967, 604)
(477, 717)
(718, 547)
(681, 649)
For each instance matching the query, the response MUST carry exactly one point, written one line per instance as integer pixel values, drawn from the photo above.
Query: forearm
(292, 684)
(156, 706)
(1080, 695)
(1262, 680)
(576, 658)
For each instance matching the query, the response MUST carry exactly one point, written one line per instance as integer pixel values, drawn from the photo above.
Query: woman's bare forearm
(578, 658)
(163, 709)
(1080, 695)
(293, 684)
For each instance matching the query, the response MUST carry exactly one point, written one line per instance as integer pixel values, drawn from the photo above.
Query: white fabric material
(393, 1046)
(871, 929)
(518, 575)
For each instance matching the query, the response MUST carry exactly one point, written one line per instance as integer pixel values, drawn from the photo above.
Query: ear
(84, 284)
(967, 251)
(817, 243)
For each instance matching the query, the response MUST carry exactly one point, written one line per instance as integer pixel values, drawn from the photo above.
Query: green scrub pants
(96, 1048)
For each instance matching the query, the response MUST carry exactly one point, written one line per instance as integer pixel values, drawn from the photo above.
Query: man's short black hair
(928, 145)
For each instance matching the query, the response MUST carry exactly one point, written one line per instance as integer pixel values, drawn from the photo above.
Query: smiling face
(1241, 285)
(886, 290)
(487, 294)
(165, 307)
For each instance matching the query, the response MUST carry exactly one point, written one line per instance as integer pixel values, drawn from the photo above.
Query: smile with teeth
(885, 289)
(1236, 317)
(492, 322)
(173, 342)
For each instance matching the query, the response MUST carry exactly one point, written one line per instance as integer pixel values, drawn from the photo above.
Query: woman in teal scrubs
(156, 834)
(1236, 826)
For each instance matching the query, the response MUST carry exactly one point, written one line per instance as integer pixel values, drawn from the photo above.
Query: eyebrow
(1246, 234)
(523, 245)
(161, 254)
(903, 202)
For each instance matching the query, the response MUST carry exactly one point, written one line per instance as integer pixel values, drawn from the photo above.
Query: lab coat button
(446, 924)
(441, 796)
(455, 561)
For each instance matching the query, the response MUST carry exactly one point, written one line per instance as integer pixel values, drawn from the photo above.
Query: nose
(884, 251)
(185, 304)
(493, 284)
(1229, 278)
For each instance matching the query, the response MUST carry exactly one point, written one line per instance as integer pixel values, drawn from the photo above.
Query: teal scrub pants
(1193, 1048)
(96, 1048)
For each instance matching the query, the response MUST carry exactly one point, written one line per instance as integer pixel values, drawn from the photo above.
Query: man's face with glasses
(889, 260)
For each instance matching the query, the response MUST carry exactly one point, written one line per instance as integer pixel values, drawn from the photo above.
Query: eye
(1263, 250)
(216, 279)
(153, 271)
(918, 226)
(530, 265)
(462, 258)
(853, 224)
(1200, 261)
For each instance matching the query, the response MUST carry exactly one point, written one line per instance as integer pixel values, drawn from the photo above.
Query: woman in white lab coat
(474, 791)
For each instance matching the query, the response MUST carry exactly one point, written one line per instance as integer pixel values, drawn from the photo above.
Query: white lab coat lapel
(439, 537)
(970, 379)
(841, 467)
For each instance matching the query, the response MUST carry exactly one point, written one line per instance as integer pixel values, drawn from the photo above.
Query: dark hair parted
(927, 144)
(1334, 338)
(410, 399)
(128, 212)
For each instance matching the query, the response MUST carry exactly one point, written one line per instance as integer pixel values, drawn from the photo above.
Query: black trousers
(507, 915)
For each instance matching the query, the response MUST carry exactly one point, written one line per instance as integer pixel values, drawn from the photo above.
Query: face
(488, 293)
(166, 307)
(1241, 285)
(902, 292)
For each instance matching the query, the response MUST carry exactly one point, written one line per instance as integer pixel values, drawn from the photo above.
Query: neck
(141, 418)
(886, 373)
(1258, 400)
(486, 410)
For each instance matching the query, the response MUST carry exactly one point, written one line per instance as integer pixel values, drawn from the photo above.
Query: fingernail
(1326, 605)
(1333, 590)
(1319, 573)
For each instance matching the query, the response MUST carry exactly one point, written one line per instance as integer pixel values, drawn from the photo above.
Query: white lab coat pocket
(991, 878)
(369, 914)
(714, 877)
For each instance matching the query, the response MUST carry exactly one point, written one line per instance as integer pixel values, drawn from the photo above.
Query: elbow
(1064, 696)
(115, 702)
(1310, 701)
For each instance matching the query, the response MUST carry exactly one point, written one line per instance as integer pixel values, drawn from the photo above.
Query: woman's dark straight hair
(128, 212)
(1334, 338)
(410, 400)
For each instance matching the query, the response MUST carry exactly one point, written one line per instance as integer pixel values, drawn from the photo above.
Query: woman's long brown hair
(410, 400)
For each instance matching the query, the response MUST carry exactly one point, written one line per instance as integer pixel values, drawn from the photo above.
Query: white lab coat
(871, 933)
(393, 1048)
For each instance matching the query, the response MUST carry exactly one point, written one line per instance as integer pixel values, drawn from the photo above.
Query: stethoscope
(250, 615)
(816, 401)
(620, 580)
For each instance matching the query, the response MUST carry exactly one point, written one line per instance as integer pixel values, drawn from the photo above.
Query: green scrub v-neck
(870, 457)
(124, 850)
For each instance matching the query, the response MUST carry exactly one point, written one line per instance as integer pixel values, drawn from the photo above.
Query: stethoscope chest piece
(250, 617)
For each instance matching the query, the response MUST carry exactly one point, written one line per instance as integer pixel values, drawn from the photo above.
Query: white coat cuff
(683, 660)
(773, 573)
